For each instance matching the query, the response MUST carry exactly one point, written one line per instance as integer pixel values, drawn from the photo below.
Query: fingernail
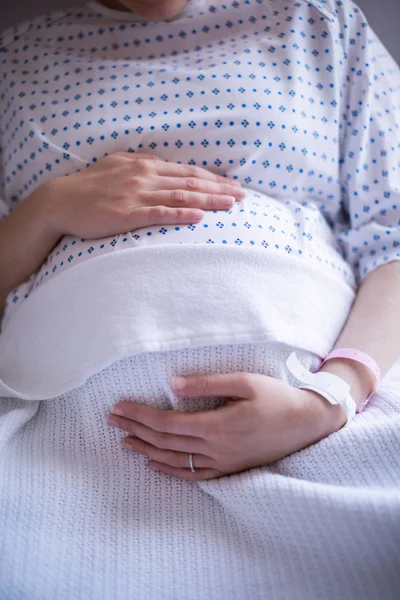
(228, 200)
(178, 383)
(112, 422)
(117, 411)
(235, 182)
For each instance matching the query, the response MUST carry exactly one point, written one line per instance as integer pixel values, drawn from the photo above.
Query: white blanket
(83, 519)
(164, 298)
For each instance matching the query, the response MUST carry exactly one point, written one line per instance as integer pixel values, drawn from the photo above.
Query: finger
(145, 216)
(198, 475)
(177, 190)
(181, 198)
(195, 184)
(197, 424)
(238, 385)
(177, 170)
(168, 457)
(159, 439)
(140, 155)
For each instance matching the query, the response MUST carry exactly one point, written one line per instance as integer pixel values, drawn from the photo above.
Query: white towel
(164, 298)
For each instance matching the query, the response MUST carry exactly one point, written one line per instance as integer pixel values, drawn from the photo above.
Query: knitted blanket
(81, 518)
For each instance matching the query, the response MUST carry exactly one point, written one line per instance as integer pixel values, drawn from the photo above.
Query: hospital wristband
(362, 358)
(329, 386)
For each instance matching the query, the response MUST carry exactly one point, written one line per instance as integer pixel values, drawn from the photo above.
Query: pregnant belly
(258, 221)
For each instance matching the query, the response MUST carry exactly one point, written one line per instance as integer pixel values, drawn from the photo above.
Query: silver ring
(191, 463)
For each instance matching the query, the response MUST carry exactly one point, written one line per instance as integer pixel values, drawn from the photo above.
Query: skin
(267, 430)
(169, 453)
(150, 10)
(265, 419)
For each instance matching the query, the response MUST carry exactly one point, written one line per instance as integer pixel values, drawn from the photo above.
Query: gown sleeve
(4, 209)
(370, 145)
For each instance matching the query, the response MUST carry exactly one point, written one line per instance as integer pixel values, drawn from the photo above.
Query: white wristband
(331, 387)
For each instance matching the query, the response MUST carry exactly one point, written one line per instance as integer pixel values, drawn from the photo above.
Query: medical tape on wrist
(331, 387)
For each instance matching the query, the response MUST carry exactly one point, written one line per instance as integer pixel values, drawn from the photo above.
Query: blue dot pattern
(256, 222)
(297, 100)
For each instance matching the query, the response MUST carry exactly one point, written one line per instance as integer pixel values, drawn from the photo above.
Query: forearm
(26, 238)
(373, 327)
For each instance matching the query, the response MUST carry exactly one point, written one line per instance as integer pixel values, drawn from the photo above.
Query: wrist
(322, 418)
(49, 201)
(327, 418)
(355, 374)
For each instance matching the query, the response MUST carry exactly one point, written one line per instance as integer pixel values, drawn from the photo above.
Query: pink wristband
(362, 358)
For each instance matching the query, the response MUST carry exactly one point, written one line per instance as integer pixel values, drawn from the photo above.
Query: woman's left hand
(265, 420)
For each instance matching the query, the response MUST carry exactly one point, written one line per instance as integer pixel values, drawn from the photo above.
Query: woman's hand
(266, 421)
(126, 191)
(122, 192)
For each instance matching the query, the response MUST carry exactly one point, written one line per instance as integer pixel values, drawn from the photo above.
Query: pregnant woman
(193, 192)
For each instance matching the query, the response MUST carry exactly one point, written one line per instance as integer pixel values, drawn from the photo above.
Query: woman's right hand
(125, 191)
